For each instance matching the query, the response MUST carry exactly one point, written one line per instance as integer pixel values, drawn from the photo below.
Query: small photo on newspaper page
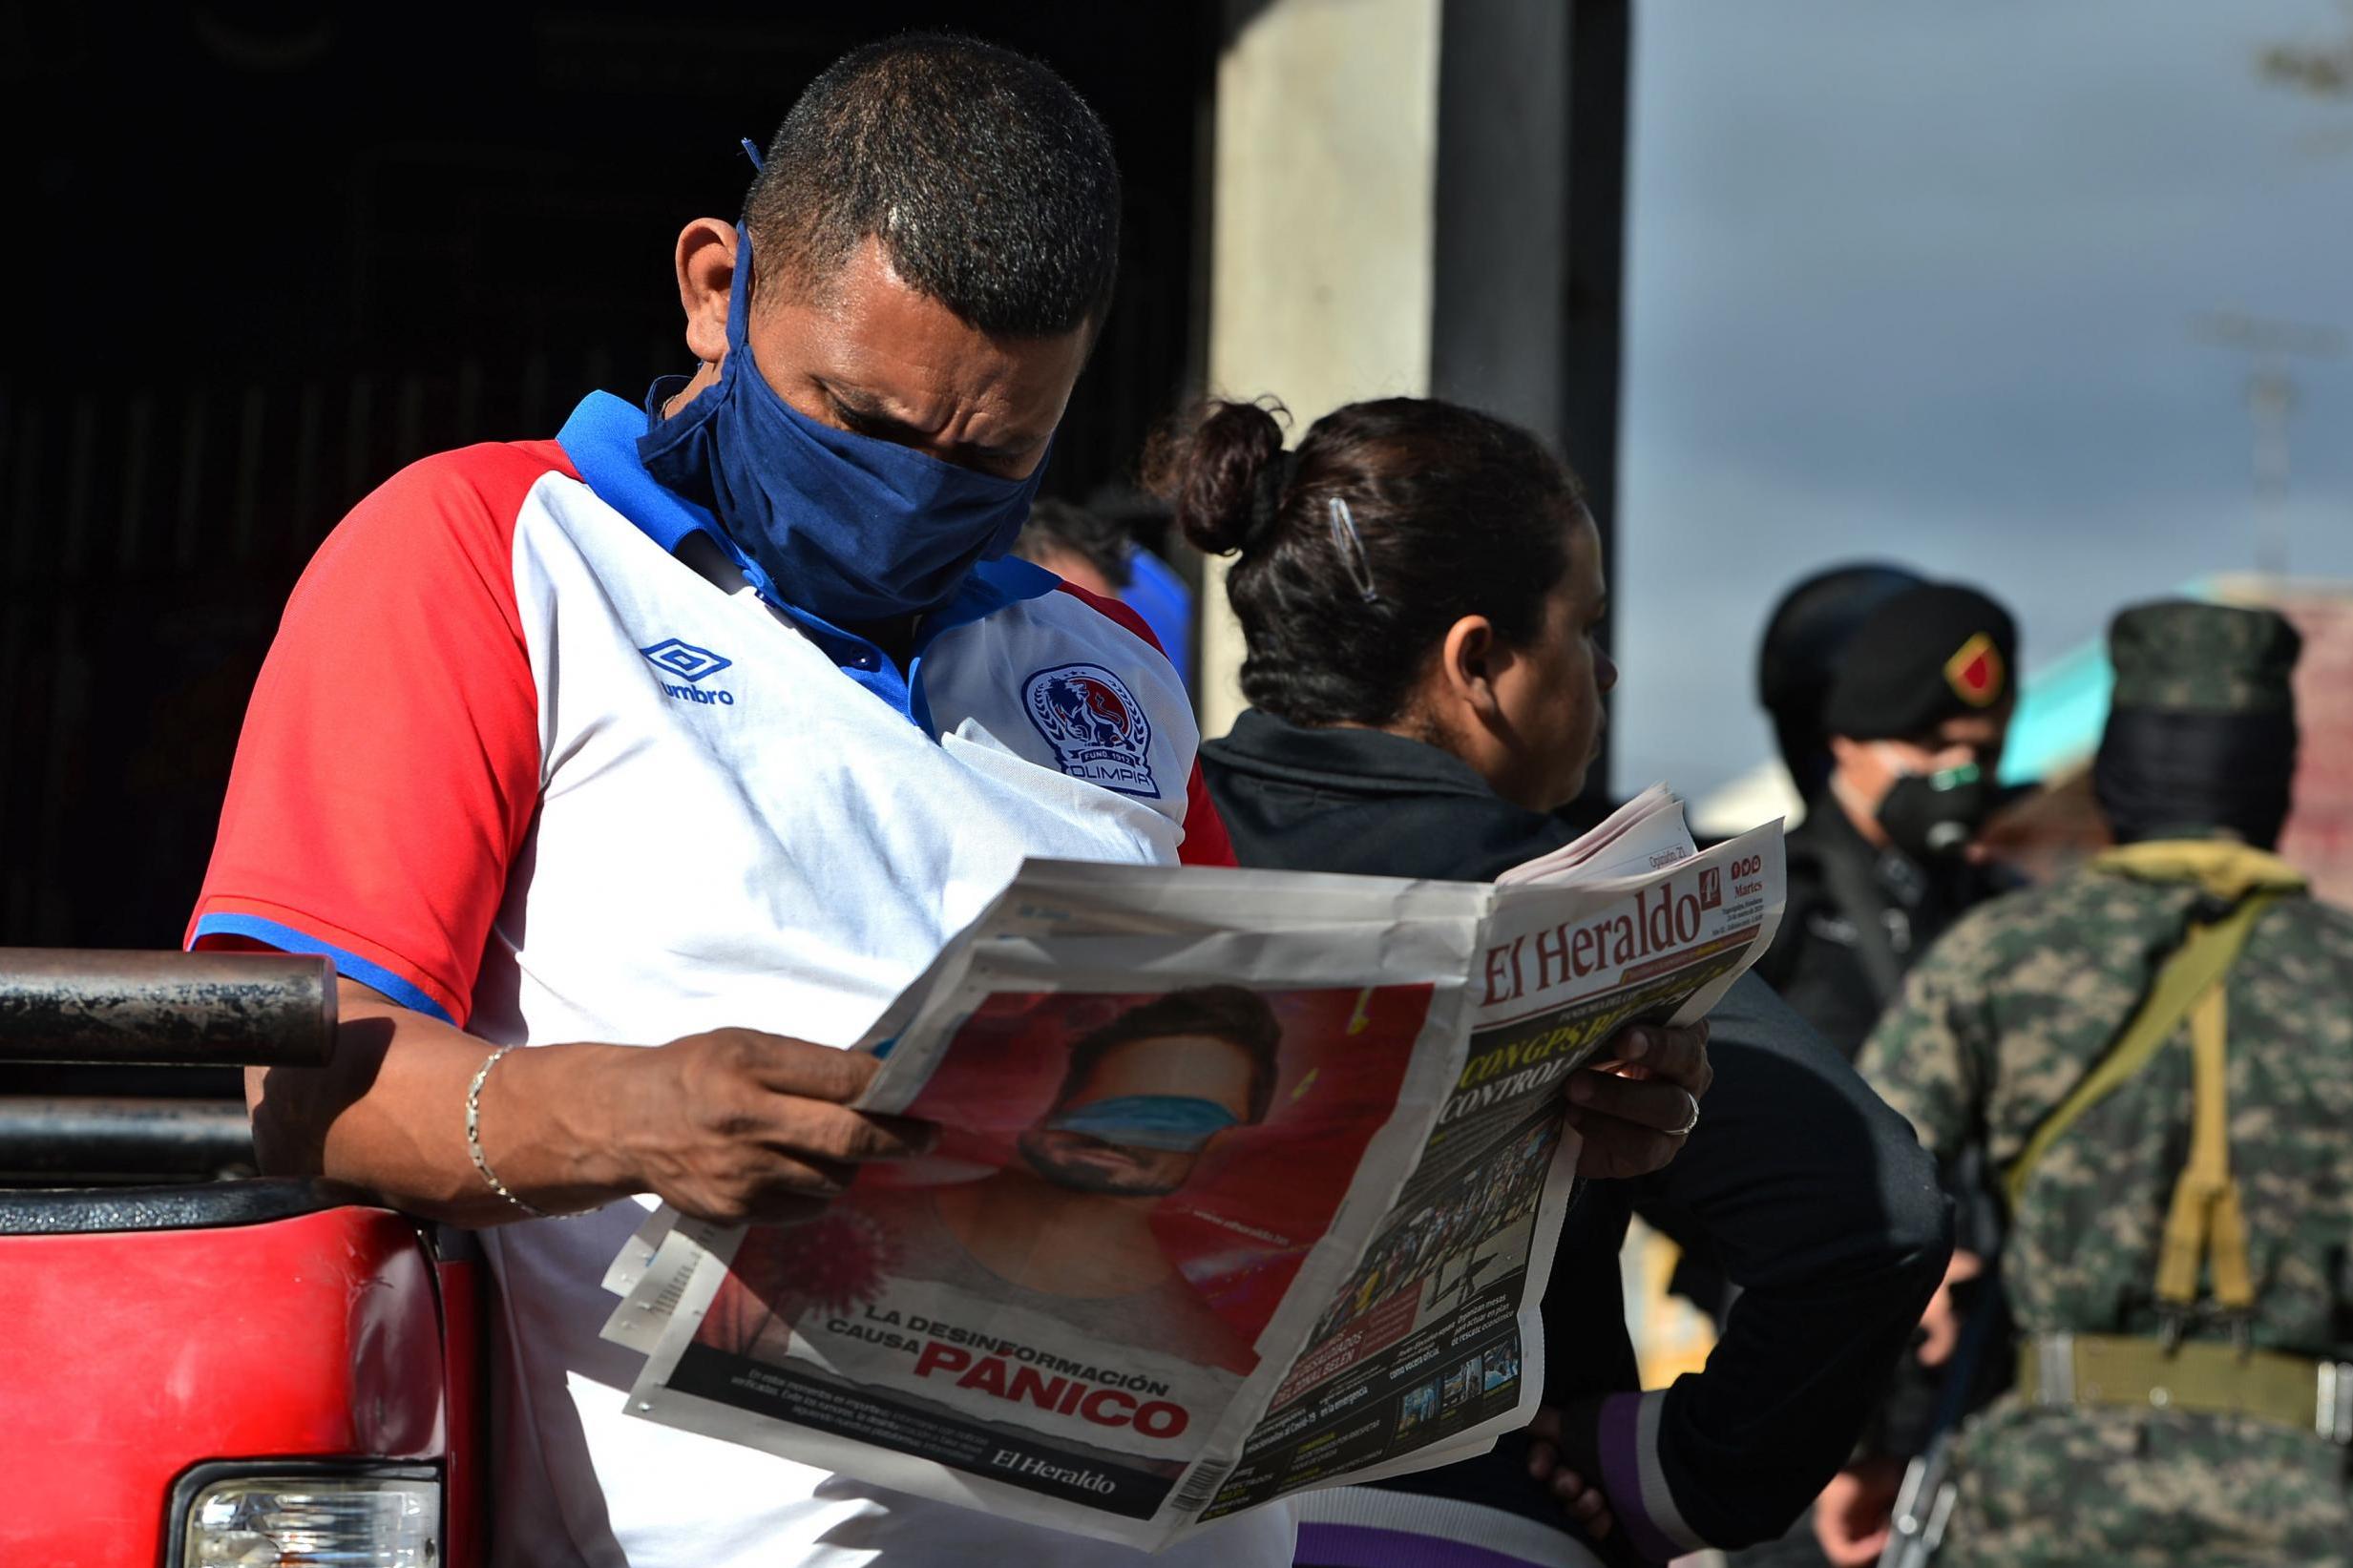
(1470, 1234)
(1422, 1342)
(1066, 1294)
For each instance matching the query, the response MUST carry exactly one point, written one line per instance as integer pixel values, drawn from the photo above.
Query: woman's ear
(1469, 659)
(706, 263)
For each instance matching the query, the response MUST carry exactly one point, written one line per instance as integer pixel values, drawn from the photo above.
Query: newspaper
(1248, 1183)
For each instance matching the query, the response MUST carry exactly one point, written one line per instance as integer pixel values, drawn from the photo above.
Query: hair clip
(1351, 545)
(752, 153)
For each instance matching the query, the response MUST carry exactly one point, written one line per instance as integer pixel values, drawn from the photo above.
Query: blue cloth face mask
(1183, 1123)
(846, 528)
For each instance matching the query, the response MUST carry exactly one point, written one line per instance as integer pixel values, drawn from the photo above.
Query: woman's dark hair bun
(1224, 473)
(1393, 520)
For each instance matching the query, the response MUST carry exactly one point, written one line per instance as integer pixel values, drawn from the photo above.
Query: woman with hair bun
(1415, 567)
(1421, 587)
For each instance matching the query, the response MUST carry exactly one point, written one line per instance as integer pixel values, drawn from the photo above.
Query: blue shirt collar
(601, 440)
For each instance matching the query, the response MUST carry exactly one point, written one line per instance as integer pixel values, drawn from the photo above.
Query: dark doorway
(275, 251)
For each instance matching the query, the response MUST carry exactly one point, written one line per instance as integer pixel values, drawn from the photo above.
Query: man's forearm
(732, 1125)
(389, 1115)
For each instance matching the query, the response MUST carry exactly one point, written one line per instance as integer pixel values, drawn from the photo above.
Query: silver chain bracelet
(473, 1135)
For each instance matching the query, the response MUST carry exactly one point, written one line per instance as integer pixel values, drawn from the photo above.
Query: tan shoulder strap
(2205, 1224)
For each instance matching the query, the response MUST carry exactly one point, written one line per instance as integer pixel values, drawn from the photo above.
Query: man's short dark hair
(990, 183)
(1225, 1013)
(1095, 539)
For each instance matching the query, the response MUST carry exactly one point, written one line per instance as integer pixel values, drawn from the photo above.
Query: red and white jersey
(530, 755)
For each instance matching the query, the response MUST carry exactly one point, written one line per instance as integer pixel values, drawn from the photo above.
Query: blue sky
(1918, 281)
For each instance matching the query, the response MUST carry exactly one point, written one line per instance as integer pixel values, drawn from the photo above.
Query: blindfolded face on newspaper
(1182, 1122)
(1138, 1121)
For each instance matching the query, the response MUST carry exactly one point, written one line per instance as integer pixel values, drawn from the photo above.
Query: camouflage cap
(2179, 657)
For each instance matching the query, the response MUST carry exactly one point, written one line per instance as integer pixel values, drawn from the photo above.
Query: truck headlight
(383, 1519)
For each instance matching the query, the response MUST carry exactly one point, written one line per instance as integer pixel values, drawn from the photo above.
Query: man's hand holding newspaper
(1244, 1182)
(762, 1127)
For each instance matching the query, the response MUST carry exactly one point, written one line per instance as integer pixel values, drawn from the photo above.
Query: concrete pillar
(1321, 250)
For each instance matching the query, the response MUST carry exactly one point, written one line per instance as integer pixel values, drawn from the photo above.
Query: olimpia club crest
(1094, 725)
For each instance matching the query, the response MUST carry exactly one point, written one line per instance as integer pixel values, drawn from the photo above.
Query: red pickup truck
(251, 1371)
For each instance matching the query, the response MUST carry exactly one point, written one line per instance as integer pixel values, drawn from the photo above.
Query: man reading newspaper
(626, 777)
(1181, 1252)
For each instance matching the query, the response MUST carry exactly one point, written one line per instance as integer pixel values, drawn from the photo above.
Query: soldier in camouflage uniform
(2180, 1259)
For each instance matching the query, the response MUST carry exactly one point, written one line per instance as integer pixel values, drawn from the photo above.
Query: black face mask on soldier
(1932, 815)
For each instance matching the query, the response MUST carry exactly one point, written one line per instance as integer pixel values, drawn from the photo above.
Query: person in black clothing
(1419, 585)
(1915, 703)
(1891, 697)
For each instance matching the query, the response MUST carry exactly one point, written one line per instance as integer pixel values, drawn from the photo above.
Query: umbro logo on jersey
(1094, 725)
(684, 660)
(690, 664)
